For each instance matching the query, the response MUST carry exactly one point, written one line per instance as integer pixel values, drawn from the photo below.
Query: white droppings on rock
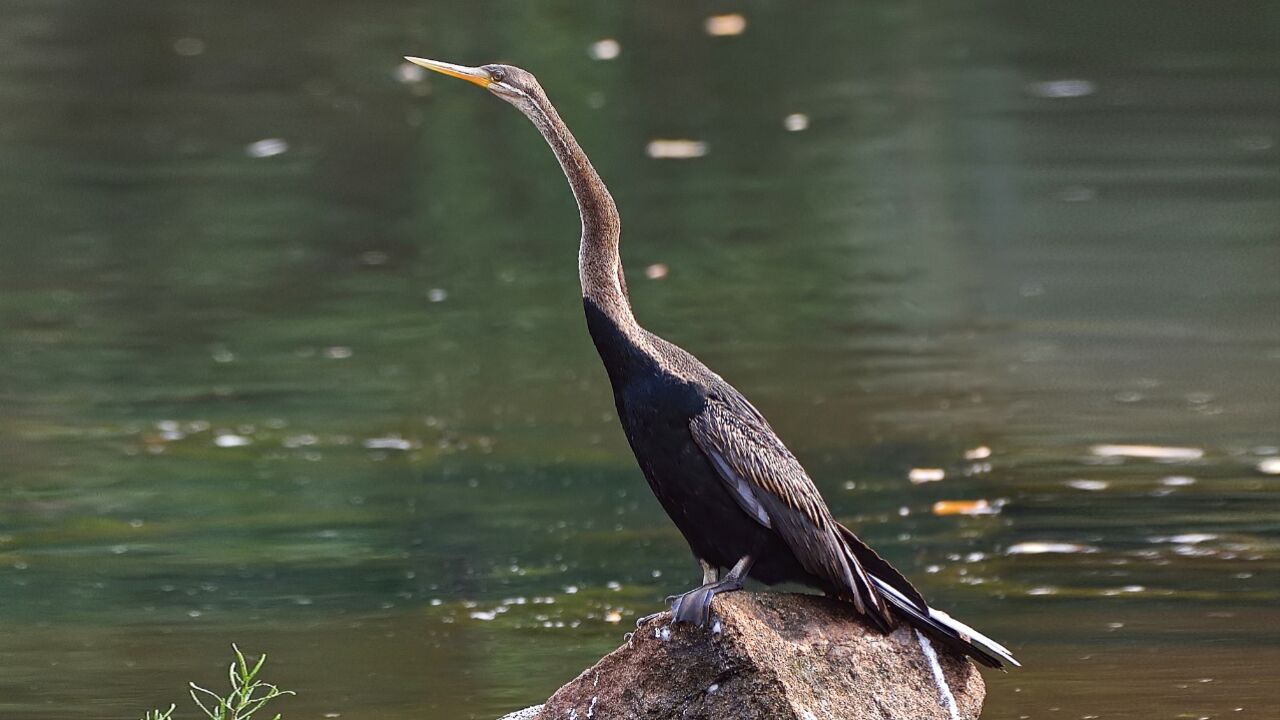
(944, 691)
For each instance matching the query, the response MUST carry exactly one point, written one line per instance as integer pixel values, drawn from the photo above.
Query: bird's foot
(695, 606)
(641, 622)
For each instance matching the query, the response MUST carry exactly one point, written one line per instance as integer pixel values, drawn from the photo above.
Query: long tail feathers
(947, 630)
(899, 594)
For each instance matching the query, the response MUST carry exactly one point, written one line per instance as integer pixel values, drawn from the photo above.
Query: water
(293, 354)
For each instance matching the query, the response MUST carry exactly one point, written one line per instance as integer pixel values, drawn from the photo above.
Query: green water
(338, 403)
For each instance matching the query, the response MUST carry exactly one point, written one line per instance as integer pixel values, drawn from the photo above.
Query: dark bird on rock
(737, 494)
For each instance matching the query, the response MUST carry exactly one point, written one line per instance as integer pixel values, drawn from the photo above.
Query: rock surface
(775, 656)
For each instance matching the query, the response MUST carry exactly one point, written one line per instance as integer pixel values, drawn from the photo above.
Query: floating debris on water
(268, 147)
(1069, 88)
(228, 440)
(1149, 452)
(408, 73)
(675, 149)
(613, 616)
(391, 442)
(796, 122)
(1078, 194)
(189, 46)
(982, 452)
(1185, 538)
(725, 25)
(656, 271)
(436, 295)
(966, 507)
(1041, 548)
(1123, 590)
(605, 49)
(920, 476)
(1090, 485)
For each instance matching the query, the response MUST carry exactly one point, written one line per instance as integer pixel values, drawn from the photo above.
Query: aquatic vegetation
(248, 693)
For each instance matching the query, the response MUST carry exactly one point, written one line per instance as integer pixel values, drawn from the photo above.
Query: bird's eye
(498, 74)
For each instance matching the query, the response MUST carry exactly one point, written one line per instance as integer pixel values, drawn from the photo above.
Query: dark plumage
(734, 490)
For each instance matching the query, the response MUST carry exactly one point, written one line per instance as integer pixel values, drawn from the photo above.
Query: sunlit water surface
(291, 351)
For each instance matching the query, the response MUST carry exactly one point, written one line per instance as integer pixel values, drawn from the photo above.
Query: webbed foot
(695, 606)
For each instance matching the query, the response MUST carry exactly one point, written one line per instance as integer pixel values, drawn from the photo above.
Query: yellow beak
(478, 76)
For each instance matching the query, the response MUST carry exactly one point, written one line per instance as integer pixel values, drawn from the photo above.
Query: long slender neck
(599, 264)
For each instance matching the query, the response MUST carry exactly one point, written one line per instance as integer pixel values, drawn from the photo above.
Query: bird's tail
(946, 629)
(910, 606)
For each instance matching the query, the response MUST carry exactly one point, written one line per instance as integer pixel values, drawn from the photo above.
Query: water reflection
(294, 357)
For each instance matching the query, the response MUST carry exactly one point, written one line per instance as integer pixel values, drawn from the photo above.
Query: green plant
(248, 693)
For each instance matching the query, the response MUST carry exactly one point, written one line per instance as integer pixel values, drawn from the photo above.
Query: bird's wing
(770, 485)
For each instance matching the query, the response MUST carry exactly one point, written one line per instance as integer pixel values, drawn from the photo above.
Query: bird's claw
(641, 622)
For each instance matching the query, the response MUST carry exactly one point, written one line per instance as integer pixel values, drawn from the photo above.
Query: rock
(771, 656)
(529, 713)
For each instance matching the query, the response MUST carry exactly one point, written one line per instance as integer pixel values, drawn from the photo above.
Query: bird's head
(516, 86)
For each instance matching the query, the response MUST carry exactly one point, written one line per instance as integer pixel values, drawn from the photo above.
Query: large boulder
(770, 656)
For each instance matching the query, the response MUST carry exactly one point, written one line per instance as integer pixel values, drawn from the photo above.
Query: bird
(739, 497)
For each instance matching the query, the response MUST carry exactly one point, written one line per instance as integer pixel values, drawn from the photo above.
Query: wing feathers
(739, 488)
(767, 481)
